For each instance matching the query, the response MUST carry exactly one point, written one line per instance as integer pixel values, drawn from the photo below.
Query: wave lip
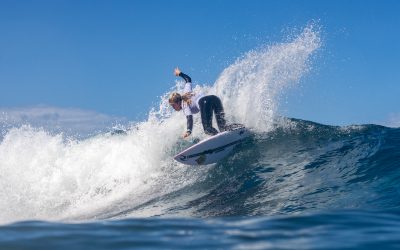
(251, 87)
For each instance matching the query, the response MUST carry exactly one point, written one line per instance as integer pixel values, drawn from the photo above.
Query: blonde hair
(176, 98)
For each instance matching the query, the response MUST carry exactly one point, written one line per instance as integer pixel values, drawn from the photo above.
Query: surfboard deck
(214, 148)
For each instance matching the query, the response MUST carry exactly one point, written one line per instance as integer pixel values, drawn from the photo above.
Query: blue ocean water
(303, 186)
(330, 230)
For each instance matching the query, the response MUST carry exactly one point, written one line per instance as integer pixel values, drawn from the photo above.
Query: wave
(300, 167)
(307, 167)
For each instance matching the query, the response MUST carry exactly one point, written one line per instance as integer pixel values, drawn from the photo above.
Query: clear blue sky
(117, 57)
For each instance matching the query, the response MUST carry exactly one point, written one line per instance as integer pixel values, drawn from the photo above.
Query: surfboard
(214, 148)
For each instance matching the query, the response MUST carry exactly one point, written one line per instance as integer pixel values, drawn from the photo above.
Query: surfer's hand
(186, 134)
(177, 71)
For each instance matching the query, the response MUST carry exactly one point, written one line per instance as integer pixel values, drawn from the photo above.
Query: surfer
(192, 103)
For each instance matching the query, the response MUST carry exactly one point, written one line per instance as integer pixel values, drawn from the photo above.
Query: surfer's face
(176, 106)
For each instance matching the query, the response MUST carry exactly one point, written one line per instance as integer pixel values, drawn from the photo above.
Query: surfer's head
(175, 100)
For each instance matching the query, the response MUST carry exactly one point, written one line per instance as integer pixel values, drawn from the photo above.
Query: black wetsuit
(208, 105)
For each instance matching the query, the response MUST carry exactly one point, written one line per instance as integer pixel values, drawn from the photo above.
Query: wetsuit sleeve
(188, 84)
(189, 119)
(185, 77)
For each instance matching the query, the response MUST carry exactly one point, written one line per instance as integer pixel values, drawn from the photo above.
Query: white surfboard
(214, 148)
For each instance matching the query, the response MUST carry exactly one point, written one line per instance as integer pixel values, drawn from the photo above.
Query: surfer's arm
(189, 119)
(185, 77)
(178, 72)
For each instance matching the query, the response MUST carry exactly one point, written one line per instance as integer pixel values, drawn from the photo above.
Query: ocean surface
(294, 184)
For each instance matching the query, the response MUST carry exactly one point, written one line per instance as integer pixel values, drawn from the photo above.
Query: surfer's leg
(206, 111)
(219, 113)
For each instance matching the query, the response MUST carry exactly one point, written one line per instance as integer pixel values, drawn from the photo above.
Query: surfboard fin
(201, 159)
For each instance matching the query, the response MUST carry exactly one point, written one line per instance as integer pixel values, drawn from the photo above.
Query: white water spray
(250, 88)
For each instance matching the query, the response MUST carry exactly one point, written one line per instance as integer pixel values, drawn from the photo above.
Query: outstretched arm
(178, 72)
